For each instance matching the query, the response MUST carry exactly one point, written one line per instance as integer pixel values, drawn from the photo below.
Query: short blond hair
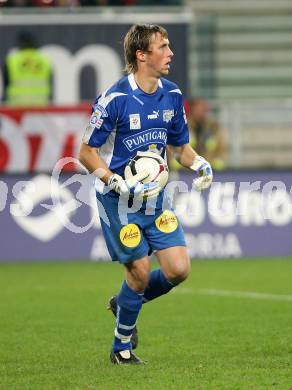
(139, 38)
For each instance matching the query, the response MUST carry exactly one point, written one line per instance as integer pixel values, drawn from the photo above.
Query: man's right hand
(134, 186)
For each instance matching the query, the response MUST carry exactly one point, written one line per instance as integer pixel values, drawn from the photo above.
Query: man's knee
(179, 271)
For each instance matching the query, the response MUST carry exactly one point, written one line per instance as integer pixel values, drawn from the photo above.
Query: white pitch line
(237, 294)
(246, 294)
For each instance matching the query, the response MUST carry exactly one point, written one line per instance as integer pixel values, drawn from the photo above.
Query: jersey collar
(138, 91)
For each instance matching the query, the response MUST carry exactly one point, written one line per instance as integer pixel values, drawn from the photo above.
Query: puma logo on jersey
(155, 115)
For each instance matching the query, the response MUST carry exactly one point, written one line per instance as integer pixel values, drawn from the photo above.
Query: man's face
(159, 55)
(199, 110)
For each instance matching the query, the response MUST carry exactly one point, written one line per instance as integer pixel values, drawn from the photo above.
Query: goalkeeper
(142, 112)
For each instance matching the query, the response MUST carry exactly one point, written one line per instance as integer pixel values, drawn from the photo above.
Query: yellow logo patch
(166, 222)
(130, 235)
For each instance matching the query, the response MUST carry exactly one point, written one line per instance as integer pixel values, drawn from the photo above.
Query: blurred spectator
(205, 135)
(27, 75)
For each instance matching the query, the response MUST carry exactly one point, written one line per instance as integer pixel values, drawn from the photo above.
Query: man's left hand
(204, 171)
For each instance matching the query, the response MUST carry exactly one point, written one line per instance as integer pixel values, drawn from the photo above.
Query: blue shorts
(141, 234)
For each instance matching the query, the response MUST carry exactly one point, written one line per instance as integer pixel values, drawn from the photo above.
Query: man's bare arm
(184, 154)
(188, 158)
(90, 158)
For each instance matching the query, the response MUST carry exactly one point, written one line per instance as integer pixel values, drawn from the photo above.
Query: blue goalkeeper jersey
(126, 120)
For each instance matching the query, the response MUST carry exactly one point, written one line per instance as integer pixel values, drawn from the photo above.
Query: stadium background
(237, 334)
(236, 55)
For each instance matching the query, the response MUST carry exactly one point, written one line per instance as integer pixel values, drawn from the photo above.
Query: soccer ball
(152, 163)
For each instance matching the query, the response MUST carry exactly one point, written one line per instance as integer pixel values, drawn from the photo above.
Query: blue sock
(157, 286)
(129, 304)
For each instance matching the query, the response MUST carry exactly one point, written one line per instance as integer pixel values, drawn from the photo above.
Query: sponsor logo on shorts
(130, 235)
(166, 222)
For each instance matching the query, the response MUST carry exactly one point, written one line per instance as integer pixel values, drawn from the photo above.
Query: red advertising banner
(34, 139)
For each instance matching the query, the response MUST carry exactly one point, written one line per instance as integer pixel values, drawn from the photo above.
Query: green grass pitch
(229, 326)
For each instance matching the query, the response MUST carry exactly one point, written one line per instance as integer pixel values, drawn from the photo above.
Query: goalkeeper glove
(204, 170)
(134, 186)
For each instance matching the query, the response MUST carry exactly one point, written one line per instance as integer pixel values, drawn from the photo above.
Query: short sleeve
(178, 134)
(102, 121)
